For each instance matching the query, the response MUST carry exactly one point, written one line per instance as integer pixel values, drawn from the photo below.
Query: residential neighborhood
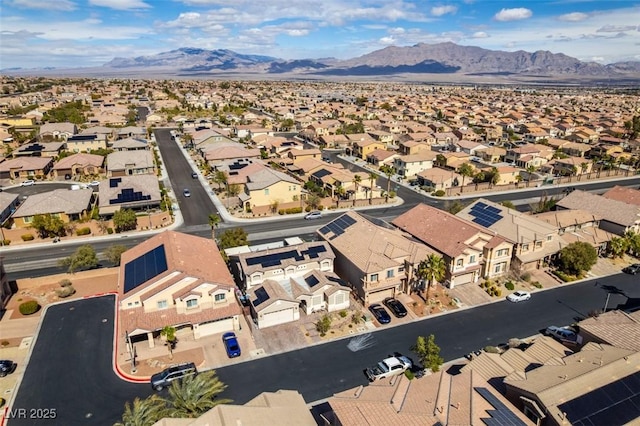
(372, 262)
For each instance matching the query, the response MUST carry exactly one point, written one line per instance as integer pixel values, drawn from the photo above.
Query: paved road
(71, 364)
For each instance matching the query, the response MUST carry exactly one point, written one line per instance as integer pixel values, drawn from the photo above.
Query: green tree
(114, 254)
(432, 269)
(455, 207)
(618, 246)
(634, 242)
(577, 258)
(313, 201)
(356, 182)
(465, 170)
(195, 395)
(508, 204)
(545, 204)
(372, 180)
(428, 352)
(48, 225)
(220, 177)
(323, 325)
(233, 238)
(143, 412)
(388, 171)
(214, 222)
(125, 220)
(169, 334)
(530, 170)
(82, 259)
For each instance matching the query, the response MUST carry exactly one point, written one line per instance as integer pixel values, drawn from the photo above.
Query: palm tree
(372, 179)
(530, 170)
(356, 181)
(194, 395)
(495, 176)
(465, 170)
(618, 246)
(214, 221)
(518, 180)
(169, 333)
(338, 192)
(388, 171)
(143, 412)
(220, 178)
(432, 269)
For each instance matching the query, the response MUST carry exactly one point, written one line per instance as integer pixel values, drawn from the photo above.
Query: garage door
(274, 318)
(463, 279)
(379, 296)
(215, 327)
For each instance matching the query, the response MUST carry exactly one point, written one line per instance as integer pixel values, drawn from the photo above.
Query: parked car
(519, 296)
(632, 269)
(94, 183)
(380, 313)
(388, 367)
(194, 175)
(28, 182)
(313, 215)
(231, 344)
(164, 378)
(564, 334)
(395, 306)
(7, 367)
(186, 192)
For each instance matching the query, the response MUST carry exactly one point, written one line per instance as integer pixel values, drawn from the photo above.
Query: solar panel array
(338, 226)
(311, 280)
(261, 296)
(114, 182)
(502, 415)
(145, 267)
(275, 259)
(485, 215)
(617, 403)
(128, 195)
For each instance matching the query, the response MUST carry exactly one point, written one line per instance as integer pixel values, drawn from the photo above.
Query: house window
(220, 297)
(472, 258)
(27, 219)
(525, 247)
(503, 252)
(459, 263)
(162, 304)
(499, 268)
(266, 191)
(374, 277)
(401, 269)
(390, 273)
(192, 303)
(550, 237)
(538, 244)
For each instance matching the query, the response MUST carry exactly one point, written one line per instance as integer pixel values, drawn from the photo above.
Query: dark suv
(164, 378)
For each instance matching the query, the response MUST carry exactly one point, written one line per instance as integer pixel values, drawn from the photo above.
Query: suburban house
(215, 154)
(439, 178)
(64, 204)
(102, 132)
(530, 155)
(590, 387)
(22, 168)
(380, 157)
(409, 166)
(569, 166)
(131, 132)
(80, 164)
(493, 154)
(39, 149)
(578, 226)
(86, 143)
(130, 144)
(139, 192)
(536, 241)
(268, 186)
(470, 251)
(128, 163)
(8, 204)
(50, 132)
(298, 155)
(618, 217)
(334, 141)
(623, 193)
(508, 175)
(362, 148)
(374, 258)
(179, 280)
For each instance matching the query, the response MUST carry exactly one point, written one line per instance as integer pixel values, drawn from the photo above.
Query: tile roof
(615, 328)
(611, 210)
(25, 163)
(288, 256)
(81, 159)
(443, 231)
(623, 193)
(267, 177)
(56, 201)
(120, 160)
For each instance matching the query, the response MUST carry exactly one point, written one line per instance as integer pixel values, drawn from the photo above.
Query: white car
(94, 183)
(564, 334)
(313, 215)
(28, 182)
(519, 296)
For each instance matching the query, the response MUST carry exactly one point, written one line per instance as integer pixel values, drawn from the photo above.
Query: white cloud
(64, 5)
(120, 4)
(616, 28)
(573, 17)
(443, 10)
(479, 34)
(516, 14)
(387, 40)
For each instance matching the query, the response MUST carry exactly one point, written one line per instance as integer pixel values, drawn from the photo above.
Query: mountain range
(450, 60)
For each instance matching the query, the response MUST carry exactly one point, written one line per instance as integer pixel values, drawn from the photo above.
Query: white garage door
(463, 279)
(214, 327)
(274, 318)
(379, 296)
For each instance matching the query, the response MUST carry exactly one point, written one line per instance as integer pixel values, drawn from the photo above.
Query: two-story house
(372, 257)
(410, 165)
(86, 143)
(470, 251)
(179, 280)
(578, 226)
(268, 186)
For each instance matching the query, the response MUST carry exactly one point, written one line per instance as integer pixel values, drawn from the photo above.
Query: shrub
(29, 307)
(536, 284)
(64, 283)
(65, 291)
(343, 313)
(83, 231)
(439, 193)
(491, 349)
(281, 212)
(509, 285)
(26, 237)
(497, 292)
(564, 277)
(109, 230)
(6, 242)
(526, 276)
(409, 374)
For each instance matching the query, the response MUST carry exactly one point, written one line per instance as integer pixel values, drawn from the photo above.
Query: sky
(89, 33)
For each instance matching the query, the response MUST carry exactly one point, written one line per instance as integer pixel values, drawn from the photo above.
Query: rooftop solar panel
(145, 267)
(311, 280)
(261, 296)
(324, 230)
(502, 415)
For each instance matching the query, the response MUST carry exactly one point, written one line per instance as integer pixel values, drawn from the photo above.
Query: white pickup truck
(388, 367)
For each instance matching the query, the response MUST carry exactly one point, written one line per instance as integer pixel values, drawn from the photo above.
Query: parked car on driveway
(380, 313)
(564, 334)
(388, 367)
(164, 378)
(231, 344)
(396, 307)
(632, 269)
(7, 367)
(519, 296)
(94, 183)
